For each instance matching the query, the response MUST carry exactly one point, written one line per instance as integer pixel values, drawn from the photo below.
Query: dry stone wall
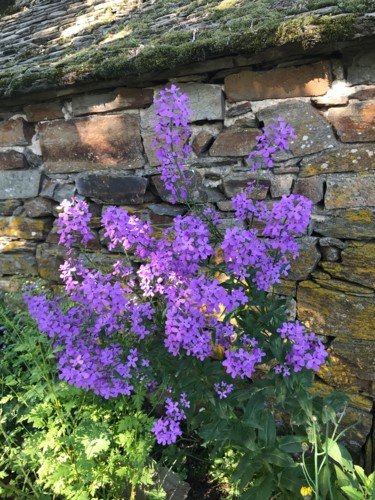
(98, 146)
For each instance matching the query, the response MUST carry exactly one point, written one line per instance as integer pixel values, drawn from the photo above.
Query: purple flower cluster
(274, 139)
(306, 350)
(223, 389)
(172, 133)
(73, 223)
(171, 295)
(267, 251)
(242, 363)
(167, 429)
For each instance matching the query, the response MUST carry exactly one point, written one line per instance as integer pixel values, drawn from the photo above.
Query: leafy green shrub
(58, 441)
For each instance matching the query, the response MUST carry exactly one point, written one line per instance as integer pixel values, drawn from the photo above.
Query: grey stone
(24, 264)
(33, 160)
(349, 191)
(308, 259)
(166, 209)
(355, 224)
(194, 187)
(311, 187)
(7, 207)
(362, 67)
(113, 188)
(63, 192)
(19, 184)
(38, 207)
(313, 132)
(281, 185)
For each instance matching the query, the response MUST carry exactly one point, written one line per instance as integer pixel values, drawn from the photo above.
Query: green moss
(243, 26)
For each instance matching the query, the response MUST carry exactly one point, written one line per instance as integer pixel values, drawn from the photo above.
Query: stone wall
(98, 146)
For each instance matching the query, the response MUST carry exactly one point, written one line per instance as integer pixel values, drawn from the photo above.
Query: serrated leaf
(352, 493)
(94, 447)
(278, 457)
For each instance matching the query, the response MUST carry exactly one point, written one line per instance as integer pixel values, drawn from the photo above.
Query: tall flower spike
(172, 131)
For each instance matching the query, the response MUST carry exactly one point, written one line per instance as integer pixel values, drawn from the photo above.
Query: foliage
(58, 441)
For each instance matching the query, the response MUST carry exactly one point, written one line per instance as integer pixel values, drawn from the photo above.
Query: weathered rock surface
(43, 111)
(120, 98)
(279, 83)
(308, 258)
(116, 189)
(15, 132)
(362, 67)
(38, 207)
(357, 264)
(12, 160)
(235, 183)
(355, 122)
(234, 142)
(358, 158)
(18, 184)
(95, 142)
(336, 314)
(24, 264)
(49, 258)
(7, 207)
(193, 188)
(22, 227)
(355, 224)
(360, 353)
(311, 187)
(313, 132)
(281, 185)
(349, 191)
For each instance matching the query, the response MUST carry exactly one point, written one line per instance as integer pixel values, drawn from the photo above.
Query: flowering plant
(192, 312)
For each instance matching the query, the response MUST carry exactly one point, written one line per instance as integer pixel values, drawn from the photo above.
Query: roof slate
(56, 43)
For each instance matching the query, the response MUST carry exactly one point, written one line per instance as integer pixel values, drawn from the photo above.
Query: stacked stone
(98, 146)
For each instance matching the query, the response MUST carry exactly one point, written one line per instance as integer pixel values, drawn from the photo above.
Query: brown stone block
(355, 122)
(279, 83)
(12, 160)
(15, 132)
(234, 142)
(120, 98)
(22, 227)
(364, 94)
(91, 143)
(358, 158)
(334, 313)
(115, 189)
(43, 111)
(202, 142)
(349, 191)
(234, 184)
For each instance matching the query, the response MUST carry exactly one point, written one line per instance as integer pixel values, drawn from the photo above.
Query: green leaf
(267, 433)
(352, 493)
(262, 489)
(247, 467)
(94, 447)
(292, 479)
(278, 457)
(340, 455)
(291, 444)
(324, 481)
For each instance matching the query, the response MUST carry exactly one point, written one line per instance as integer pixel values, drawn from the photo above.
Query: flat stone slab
(15, 132)
(120, 98)
(349, 191)
(92, 143)
(336, 314)
(18, 184)
(279, 83)
(113, 188)
(354, 224)
(313, 132)
(12, 160)
(349, 158)
(355, 122)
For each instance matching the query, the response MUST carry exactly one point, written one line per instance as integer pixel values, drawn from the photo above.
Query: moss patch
(167, 35)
